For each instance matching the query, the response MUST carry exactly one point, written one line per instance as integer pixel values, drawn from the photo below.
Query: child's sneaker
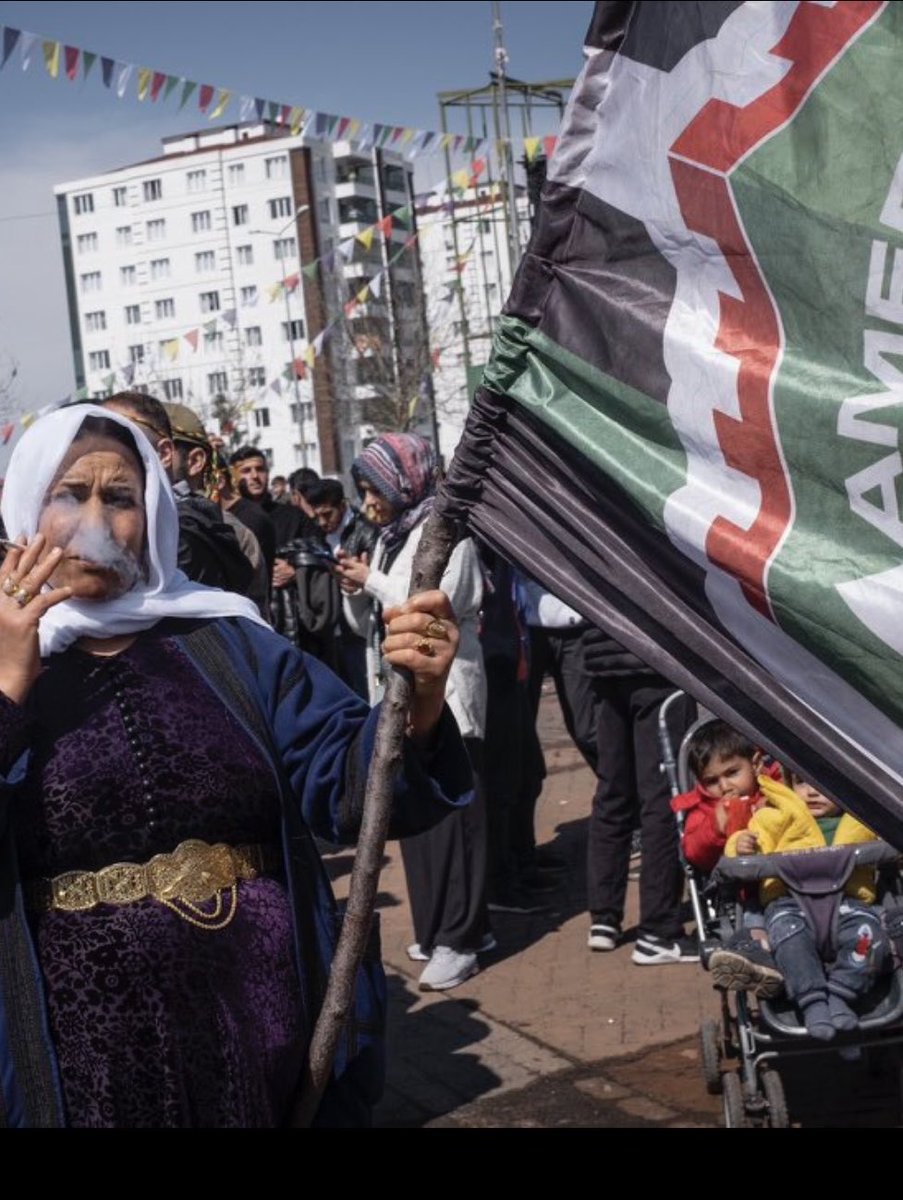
(746, 969)
(652, 951)
(603, 937)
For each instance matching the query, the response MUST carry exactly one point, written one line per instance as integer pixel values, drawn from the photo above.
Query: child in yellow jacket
(801, 818)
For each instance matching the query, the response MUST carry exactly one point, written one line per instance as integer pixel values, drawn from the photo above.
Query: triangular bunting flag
(230, 318)
(363, 295)
(27, 420)
(320, 342)
(123, 75)
(332, 126)
(110, 380)
(549, 145)
(403, 216)
(344, 126)
(157, 82)
(288, 373)
(9, 430)
(354, 128)
(82, 394)
(320, 122)
(397, 134)
(10, 39)
(275, 291)
(477, 168)
(88, 61)
(447, 139)
(310, 271)
(376, 285)
(436, 356)
(25, 48)
(192, 338)
(300, 365)
(310, 357)
(188, 90)
(426, 143)
(171, 349)
(284, 113)
(52, 58)
(272, 111)
(351, 308)
(222, 104)
(461, 179)
(296, 120)
(346, 249)
(246, 108)
(128, 374)
(328, 260)
(259, 108)
(205, 96)
(385, 226)
(276, 386)
(531, 147)
(210, 326)
(145, 74)
(366, 238)
(407, 136)
(172, 82)
(459, 141)
(378, 132)
(291, 283)
(106, 68)
(71, 56)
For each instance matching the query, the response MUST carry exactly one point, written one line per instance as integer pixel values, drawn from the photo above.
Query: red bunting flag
(300, 368)
(192, 338)
(157, 84)
(549, 145)
(385, 226)
(284, 113)
(8, 431)
(478, 168)
(343, 126)
(205, 96)
(72, 54)
(291, 283)
(437, 354)
(351, 308)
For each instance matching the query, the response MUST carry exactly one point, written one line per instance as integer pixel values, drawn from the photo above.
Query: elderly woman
(166, 925)
(396, 476)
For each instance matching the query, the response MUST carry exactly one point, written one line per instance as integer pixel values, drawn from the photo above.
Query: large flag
(690, 426)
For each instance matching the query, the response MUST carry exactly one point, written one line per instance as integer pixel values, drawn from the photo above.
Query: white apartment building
(467, 278)
(185, 278)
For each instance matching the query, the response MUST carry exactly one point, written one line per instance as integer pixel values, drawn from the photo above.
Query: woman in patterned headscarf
(396, 476)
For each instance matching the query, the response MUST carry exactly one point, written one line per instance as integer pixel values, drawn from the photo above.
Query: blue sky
(373, 60)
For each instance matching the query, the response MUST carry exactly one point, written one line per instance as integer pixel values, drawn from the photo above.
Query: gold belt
(195, 873)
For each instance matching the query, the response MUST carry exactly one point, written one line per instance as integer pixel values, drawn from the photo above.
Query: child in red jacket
(726, 766)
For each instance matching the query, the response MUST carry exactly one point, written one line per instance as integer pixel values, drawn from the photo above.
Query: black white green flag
(690, 427)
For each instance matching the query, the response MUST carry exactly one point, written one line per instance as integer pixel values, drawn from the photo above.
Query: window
(240, 214)
(197, 181)
(201, 222)
(358, 210)
(159, 268)
(253, 336)
(205, 261)
(248, 297)
(133, 314)
(245, 255)
(120, 197)
(395, 179)
(165, 309)
(276, 168)
(153, 189)
(262, 418)
(217, 383)
(83, 204)
(257, 377)
(172, 389)
(292, 331)
(280, 208)
(86, 243)
(209, 302)
(128, 276)
(92, 282)
(95, 322)
(124, 236)
(213, 342)
(156, 231)
(236, 175)
(99, 360)
(301, 412)
(136, 354)
(284, 248)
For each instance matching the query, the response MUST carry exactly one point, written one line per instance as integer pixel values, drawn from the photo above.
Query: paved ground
(550, 1034)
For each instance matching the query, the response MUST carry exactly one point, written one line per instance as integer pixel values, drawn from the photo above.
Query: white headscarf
(166, 592)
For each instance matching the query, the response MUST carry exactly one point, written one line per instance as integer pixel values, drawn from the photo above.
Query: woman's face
(94, 512)
(376, 508)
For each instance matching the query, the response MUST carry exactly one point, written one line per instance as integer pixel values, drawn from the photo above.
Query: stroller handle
(767, 866)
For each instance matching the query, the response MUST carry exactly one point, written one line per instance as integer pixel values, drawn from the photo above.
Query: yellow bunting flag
(531, 146)
(222, 104)
(171, 349)
(447, 140)
(364, 294)
(27, 420)
(406, 136)
(296, 120)
(366, 238)
(52, 58)
(310, 356)
(461, 179)
(145, 75)
(274, 292)
(354, 128)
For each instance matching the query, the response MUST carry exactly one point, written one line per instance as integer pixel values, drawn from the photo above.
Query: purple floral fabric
(156, 1022)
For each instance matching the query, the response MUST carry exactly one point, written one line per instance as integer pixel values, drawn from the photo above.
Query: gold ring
(9, 586)
(426, 648)
(23, 596)
(437, 630)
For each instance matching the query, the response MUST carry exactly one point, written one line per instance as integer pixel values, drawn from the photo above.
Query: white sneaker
(486, 946)
(653, 951)
(447, 969)
(603, 937)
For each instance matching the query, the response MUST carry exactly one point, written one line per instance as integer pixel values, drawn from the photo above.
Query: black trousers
(631, 791)
(446, 872)
(559, 653)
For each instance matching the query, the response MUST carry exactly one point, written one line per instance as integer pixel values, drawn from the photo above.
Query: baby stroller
(744, 1050)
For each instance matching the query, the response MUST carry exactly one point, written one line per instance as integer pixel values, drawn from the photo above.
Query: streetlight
(289, 327)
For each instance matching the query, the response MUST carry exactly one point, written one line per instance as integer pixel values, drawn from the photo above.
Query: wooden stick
(430, 562)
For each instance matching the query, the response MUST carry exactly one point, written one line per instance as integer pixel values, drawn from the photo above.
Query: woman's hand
(422, 637)
(353, 573)
(26, 569)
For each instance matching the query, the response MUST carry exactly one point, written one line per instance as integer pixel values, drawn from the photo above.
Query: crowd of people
(221, 640)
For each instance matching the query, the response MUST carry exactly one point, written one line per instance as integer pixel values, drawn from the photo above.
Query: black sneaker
(652, 951)
(515, 900)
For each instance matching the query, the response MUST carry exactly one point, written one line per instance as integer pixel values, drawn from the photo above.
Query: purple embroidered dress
(156, 1021)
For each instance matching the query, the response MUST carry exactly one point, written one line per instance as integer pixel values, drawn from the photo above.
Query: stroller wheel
(734, 1107)
(710, 1048)
(778, 1116)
